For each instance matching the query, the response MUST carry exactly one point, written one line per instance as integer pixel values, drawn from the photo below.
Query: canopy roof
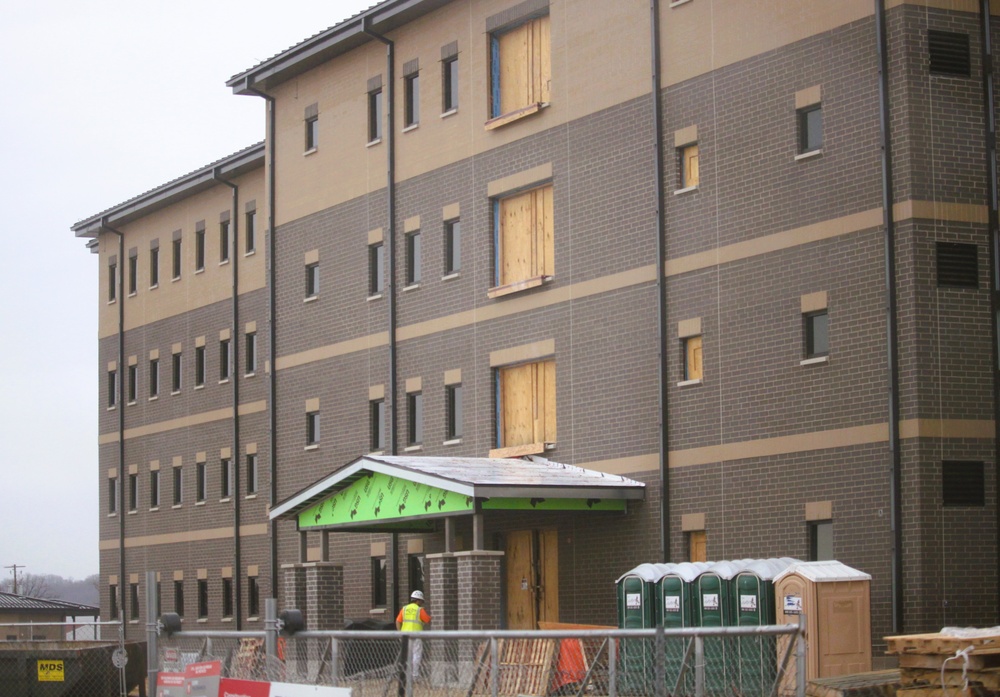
(26, 604)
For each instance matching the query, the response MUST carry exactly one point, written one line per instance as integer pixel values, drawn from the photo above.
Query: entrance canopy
(387, 493)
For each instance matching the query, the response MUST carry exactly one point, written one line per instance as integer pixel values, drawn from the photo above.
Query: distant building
(508, 243)
(21, 609)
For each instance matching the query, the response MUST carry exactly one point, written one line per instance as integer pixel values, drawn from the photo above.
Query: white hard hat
(416, 595)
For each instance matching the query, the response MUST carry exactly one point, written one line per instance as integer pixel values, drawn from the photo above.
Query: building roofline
(329, 43)
(203, 178)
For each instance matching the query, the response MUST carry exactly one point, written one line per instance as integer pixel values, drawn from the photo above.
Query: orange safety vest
(411, 618)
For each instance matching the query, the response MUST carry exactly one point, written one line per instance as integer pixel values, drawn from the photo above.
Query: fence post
(152, 649)
(334, 662)
(494, 667)
(271, 627)
(800, 658)
(659, 669)
(699, 666)
(613, 667)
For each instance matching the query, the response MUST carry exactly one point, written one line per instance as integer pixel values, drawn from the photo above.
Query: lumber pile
(525, 668)
(951, 663)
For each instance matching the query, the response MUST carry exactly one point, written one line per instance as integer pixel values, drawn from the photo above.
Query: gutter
(892, 340)
(661, 282)
(391, 280)
(234, 348)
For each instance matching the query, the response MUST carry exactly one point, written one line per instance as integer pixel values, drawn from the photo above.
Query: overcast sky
(102, 100)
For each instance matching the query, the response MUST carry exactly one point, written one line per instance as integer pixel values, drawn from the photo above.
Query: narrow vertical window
(226, 474)
(200, 482)
(377, 418)
(133, 600)
(159, 599)
(133, 273)
(227, 597)
(821, 540)
(112, 495)
(202, 598)
(178, 487)
(133, 383)
(154, 489)
(376, 274)
(154, 377)
(112, 280)
(312, 133)
(253, 597)
(225, 359)
(687, 160)
(199, 366)
(810, 129)
(251, 473)
(113, 593)
(175, 377)
(379, 582)
(154, 267)
(112, 388)
(199, 249)
(375, 115)
(312, 280)
(693, 368)
(817, 334)
(251, 232)
(414, 418)
(411, 96)
(452, 246)
(133, 492)
(449, 83)
(453, 394)
(697, 543)
(415, 571)
(176, 258)
(251, 353)
(223, 241)
(413, 258)
(312, 428)
(179, 598)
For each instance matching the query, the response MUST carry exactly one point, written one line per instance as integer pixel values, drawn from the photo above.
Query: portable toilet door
(675, 600)
(637, 610)
(752, 605)
(712, 610)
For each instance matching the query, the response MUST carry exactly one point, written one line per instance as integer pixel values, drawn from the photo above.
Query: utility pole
(14, 568)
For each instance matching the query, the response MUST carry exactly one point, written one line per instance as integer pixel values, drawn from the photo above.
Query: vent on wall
(963, 484)
(957, 265)
(949, 53)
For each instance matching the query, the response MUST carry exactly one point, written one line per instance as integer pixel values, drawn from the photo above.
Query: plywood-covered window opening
(526, 406)
(693, 368)
(688, 162)
(520, 68)
(523, 238)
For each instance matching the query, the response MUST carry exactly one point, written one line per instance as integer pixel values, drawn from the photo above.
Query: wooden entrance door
(532, 582)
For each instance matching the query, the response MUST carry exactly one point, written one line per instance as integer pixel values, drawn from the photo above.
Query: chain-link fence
(70, 659)
(744, 661)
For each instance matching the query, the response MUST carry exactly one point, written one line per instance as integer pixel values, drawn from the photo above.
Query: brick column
(479, 587)
(442, 591)
(294, 589)
(324, 589)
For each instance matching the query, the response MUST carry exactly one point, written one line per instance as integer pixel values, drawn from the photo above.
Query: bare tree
(31, 585)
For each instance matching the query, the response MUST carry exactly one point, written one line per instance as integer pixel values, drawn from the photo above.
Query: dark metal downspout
(990, 128)
(391, 253)
(234, 348)
(122, 605)
(892, 341)
(661, 282)
(272, 341)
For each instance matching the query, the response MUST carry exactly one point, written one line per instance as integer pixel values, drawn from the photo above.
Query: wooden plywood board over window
(523, 68)
(692, 358)
(526, 242)
(528, 404)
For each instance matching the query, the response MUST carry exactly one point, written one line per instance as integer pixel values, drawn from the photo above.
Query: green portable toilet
(713, 608)
(637, 610)
(675, 604)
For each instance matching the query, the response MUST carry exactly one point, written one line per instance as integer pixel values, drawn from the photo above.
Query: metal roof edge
(238, 163)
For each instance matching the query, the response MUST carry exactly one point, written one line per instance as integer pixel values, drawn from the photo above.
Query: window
(687, 159)
(227, 597)
(376, 275)
(693, 369)
(414, 418)
(252, 473)
(413, 258)
(817, 326)
(226, 472)
(133, 383)
(202, 598)
(963, 484)
(253, 597)
(175, 377)
(154, 489)
(415, 568)
(176, 261)
(113, 593)
(377, 413)
(449, 84)
(225, 359)
(223, 241)
(112, 495)
(312, 280)
(697, 543)
(948, 53)
(251, 232)
(453, 397)
(523, 237)
(526, 403)
(201, 482)
(112, 280)
(810, 129)
(133, 274)
(378, 582)
(251, 353)
(312, 133)
(411, 89)
(133, 592)
(154, 377)
(520, 70)
(820, 540)
(957, 265)
(179, 598)
(112, 388)
(178, 491)
(452, 246)
(375, 115)
(199, 366)
(199, 249)
(312, 428)
(133, 492)
(159, 599)
(154, 267)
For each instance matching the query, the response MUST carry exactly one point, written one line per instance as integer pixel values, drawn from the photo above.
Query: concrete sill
(131, 404)
(199, 270)
(178, 505)
(809, 155)
(372, 143)
(453, 441)
(132, 294)
(223, 381)
(199, 503)
(411, 127)
(313, 446)
(175, 392)
(448, 277)
(133, 512)
(250, 496)
(678, 3)
(412, 286)
(202, 619)
(517, 286)
(250, 375)
(250, 253)
(175, 279)
(311, 298)
(225, 500)
(376, 296)
(515, 115)
(413, 448)
(815, 361)
(450, 112)
(154, 398)
(199, 387)
(154, 509)
(154, 286)
(226, 619)
(688, 383)
(308, 152)
(687, 189)
(224, 262)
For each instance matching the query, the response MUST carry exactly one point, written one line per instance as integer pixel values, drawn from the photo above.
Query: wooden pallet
(973, 691)
(925, 677)
(937, 644)
(982, 659)
(525, 667)
(880, 682)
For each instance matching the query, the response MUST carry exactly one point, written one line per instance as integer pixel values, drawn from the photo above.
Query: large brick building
(766, 294)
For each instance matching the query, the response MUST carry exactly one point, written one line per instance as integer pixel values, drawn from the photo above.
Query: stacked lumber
(880, 683)
(968, 660)
(525, 667)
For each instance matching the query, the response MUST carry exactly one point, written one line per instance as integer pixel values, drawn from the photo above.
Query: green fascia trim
(540, 504)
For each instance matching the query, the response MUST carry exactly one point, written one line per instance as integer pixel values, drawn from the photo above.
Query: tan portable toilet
(836, 601)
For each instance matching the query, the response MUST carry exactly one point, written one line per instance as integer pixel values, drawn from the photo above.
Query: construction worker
(413, 618)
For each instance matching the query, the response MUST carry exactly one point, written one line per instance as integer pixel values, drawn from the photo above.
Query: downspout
(272, 334)
(661, 281)
(122, 605)
(892, 341)
(390, 109)
(234, 347)
(990, 127)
